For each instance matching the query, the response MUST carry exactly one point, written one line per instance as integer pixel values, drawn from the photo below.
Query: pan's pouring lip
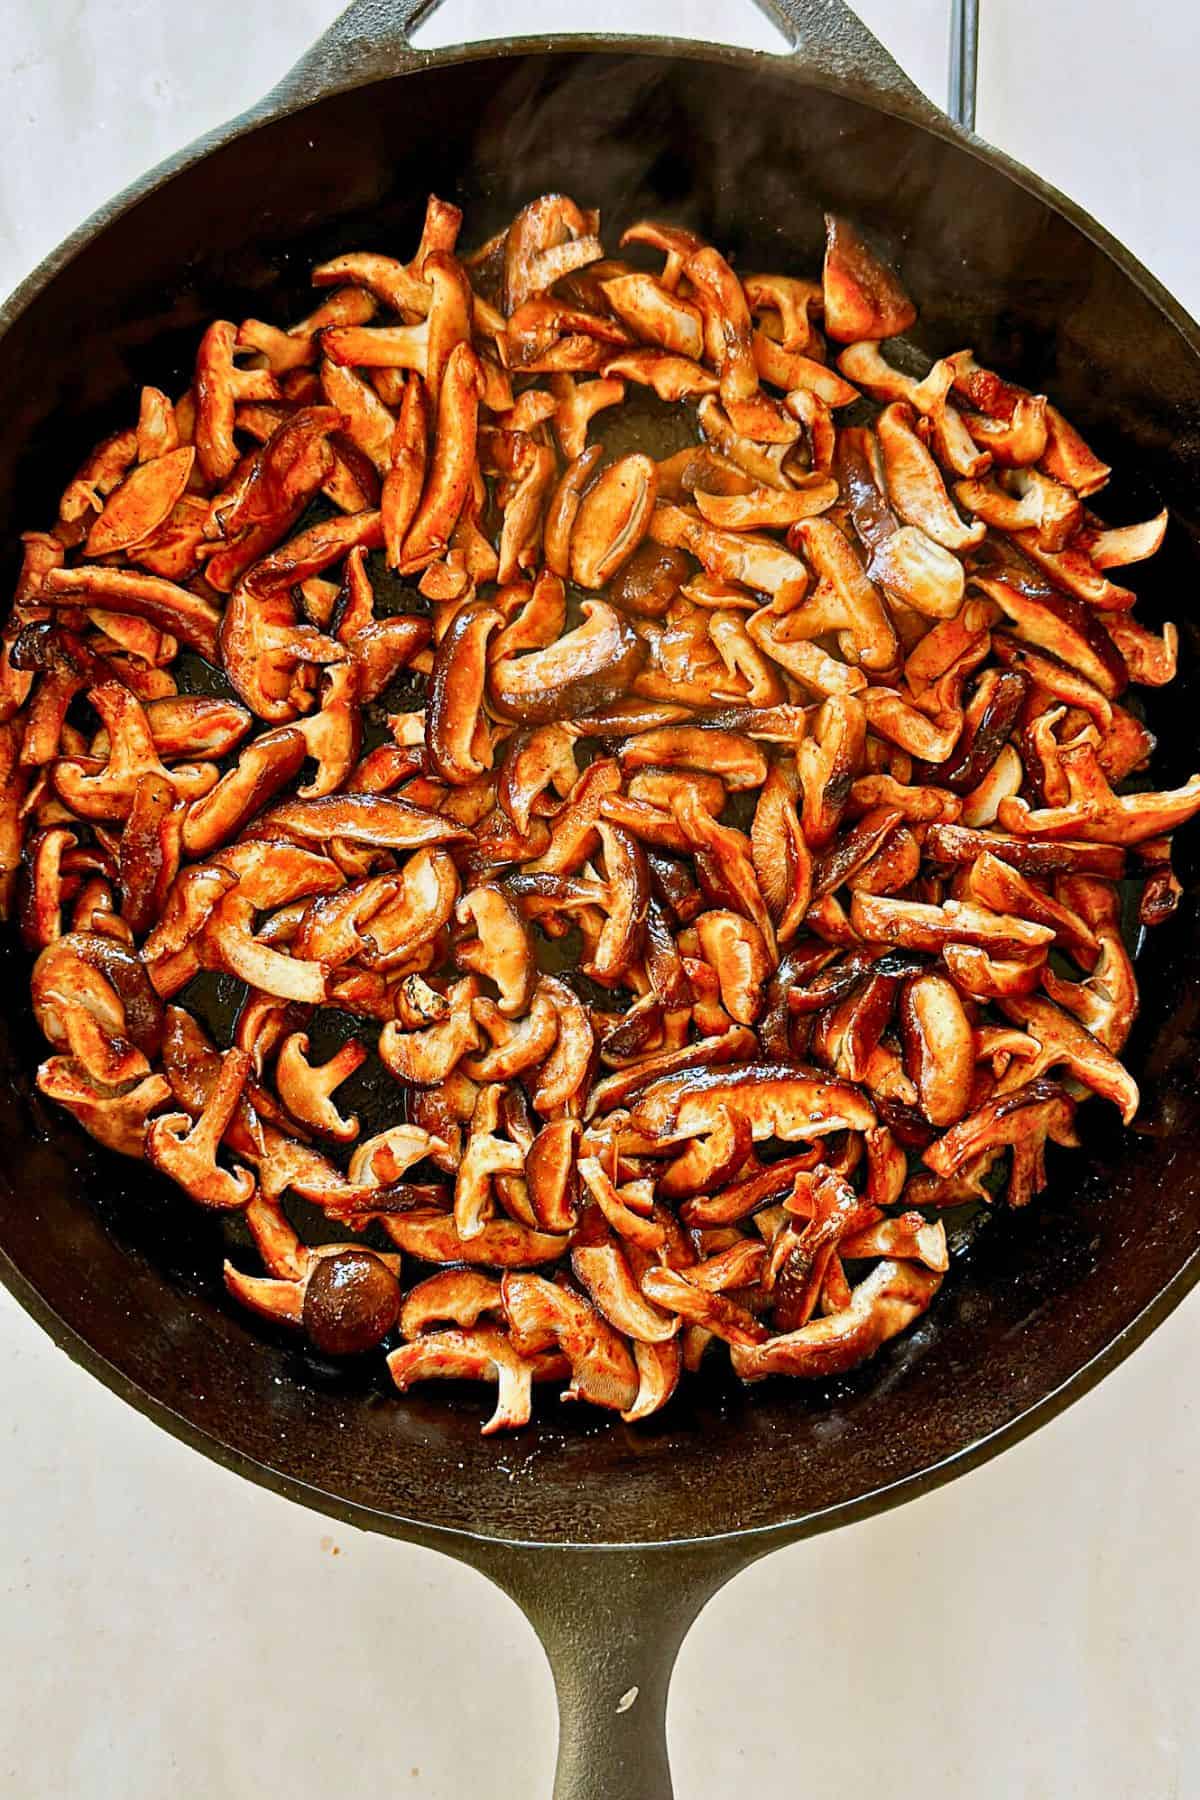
(741, 1544)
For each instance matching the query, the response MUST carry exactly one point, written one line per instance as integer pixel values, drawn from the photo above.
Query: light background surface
(1028, 1633)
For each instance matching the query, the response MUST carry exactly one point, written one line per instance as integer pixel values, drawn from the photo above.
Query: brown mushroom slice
(563, 1077)
(457, 1296)
(187, 616)
(452, 463)
(425, 1057)
(550, 1175)
(1002, 1120)
(381, 820)
(915, 483)
(602, 1368)
(675, 1293)
(602, 1269)
(753, 561)
(984, 977)
(732, 756)
(1093, 812)
(673, 378)
(777, 1099)
(1115, 547)
(781, 857)
(1064, 1042)
(150, 850)
(563, 509)
(1106, 1004)
(516, 1045)
(951, 845)
(628, 1220)
(735, 948)
(764, 1186)
(535, 761)
(97, 476)
(500, 946)
(414, 914)
(996, 884)
(93, 998)
(709, 1162)
(548, 238)
(456, 733)
(612, 519)
(586, 668)
(887, 1302)
(264, 766)
(307, 1089)
(826, 763)
(479, 1354)
(657, 315)
(142, 502)
(187, 1152)
(115, 1117)
(228, 942)
(96, 790)
(736, 1045)
(41, 889)
(1063, 626)
(1069, 459)
(939, 1046)
(501, 1244)
(486, 1154)
(862, 296)
(916, 925)
(659, 1367)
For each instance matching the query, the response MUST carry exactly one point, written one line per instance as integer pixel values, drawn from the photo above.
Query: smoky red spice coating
(711, 860)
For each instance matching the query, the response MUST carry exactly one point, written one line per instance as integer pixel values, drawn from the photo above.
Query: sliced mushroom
(602, 1368)
(885, 1303)
(939, 1048)
(587, 667)
(187, 1152)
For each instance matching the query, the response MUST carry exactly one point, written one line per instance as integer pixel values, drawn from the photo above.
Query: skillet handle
(368, 40)
(371, 38)
(611, 1623)
(831, 39)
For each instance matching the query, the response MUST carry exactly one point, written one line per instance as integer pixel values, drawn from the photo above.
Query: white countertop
(1027, 1633)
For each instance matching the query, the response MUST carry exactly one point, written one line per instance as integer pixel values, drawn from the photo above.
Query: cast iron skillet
(612, 1537)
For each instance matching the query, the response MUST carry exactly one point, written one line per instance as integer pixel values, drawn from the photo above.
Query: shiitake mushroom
(351, 1302)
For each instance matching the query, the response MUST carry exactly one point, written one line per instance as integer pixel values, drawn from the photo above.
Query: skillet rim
(303, 89)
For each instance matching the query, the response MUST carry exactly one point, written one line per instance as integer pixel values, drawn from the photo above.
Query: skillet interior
(113, 1257)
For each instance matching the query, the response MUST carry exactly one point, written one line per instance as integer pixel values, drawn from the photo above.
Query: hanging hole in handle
(743, 23)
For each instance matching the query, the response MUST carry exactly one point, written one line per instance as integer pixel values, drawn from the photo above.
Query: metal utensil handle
(964, 61)
(611, 1623)
(372, 39)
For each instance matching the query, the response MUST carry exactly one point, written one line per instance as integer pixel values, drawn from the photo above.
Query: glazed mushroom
(187, 1152)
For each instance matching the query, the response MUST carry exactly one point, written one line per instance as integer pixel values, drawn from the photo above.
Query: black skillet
(613, 1537)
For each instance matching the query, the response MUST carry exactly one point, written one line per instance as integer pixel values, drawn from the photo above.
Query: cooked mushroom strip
(540, 1313)
(188, 1152)
(93, 999)
(938, 1046)
(601, 1267)
(307, 1090)
(1063, 1042)
(115, 1117)
(479, 1354)
(778, 1101)
(862, 297)
(885, 1303)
